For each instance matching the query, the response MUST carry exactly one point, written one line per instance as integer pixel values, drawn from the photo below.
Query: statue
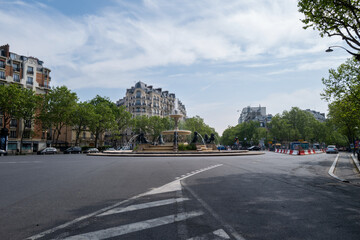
(195, 139)
(160, 139)
(141, 138)
(206, 139)
(212, 138)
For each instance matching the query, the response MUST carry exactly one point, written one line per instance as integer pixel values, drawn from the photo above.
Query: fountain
(172, 148)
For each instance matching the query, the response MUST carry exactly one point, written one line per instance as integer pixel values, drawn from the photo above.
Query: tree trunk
(22, 138)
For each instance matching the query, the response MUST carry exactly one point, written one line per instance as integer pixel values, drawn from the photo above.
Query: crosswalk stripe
(142, 206)
(134, 227)
(216, 235)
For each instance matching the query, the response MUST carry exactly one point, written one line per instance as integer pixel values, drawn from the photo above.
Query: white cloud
(307, 98)
(228, 51)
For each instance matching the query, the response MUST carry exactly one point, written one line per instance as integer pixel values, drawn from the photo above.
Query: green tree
(10, 101)
(57, 110)
(346, 118)
(104, 119)
(301, 124)
(248, 133)
(123, 123)
(29, 105)
(82, 116)
(344, 81)
(197, 124)
(334, 18)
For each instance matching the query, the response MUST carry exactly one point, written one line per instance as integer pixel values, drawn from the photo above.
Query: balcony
(29, 83)
(30, 72)
(16, 69)
(45, 86)
(17, 80)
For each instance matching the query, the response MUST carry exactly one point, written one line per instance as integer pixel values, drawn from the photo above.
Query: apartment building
(142, 99)
(28, 72)
(255, 114)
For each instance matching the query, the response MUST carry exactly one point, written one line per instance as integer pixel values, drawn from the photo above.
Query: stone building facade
(142, 99)
(255, 114)
(27, 72)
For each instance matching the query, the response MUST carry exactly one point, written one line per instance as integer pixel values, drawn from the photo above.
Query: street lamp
(357, 56)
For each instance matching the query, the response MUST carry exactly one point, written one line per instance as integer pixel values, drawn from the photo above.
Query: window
(27, 123)
(30, 70)
(16, 67)
(12, 56)
(27, 134)
(16, 77)
(13, 134)
(84, 135)
(29, 81)
(2, 64)
(2, 75)
(2, 52)
(13, 123)
(12, 146)
(1, 122)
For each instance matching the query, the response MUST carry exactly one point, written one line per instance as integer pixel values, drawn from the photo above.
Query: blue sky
(217, 56)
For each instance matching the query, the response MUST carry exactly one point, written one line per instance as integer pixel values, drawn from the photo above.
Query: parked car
(254, 148)
(91, 150)
(48, 150)
(72, 150)
(332, 149)
(221, 147)
(3, 152)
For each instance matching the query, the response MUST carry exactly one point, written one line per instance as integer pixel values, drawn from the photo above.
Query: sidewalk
(347, 169)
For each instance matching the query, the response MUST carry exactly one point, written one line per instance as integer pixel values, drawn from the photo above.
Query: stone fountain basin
(180, 132)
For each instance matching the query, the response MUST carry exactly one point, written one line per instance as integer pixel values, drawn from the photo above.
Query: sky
(217, 56)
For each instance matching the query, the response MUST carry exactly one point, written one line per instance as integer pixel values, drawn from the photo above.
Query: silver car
(332, 149)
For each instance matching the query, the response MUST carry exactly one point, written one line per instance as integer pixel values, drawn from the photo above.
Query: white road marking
(219, 235)
(332, 170)
(172, 186)
(143, 206)
(134, 227)
(20, 162)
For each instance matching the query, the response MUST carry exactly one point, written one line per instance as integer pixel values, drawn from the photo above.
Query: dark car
(48, 150)
(71, 150)
(221, 147)
(3, 152)
(332, 149)
(91, 150)
(254, 148)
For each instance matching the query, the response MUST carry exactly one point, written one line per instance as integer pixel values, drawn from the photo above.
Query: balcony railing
(30, 72)
(16, 69)
(29, 83)
(44, 86)
(2, 64)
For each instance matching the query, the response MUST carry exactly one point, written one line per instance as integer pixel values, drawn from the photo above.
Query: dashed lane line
(142, 206)
(134, 227)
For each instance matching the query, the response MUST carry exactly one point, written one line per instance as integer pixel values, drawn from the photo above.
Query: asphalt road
(271, 196)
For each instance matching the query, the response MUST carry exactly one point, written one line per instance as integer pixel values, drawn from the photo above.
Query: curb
(219, 154)
(357, 164)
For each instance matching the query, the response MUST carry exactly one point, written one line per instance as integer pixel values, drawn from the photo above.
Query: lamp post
(357, 56)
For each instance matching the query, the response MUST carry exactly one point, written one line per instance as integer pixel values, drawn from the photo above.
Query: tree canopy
(334, 18)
